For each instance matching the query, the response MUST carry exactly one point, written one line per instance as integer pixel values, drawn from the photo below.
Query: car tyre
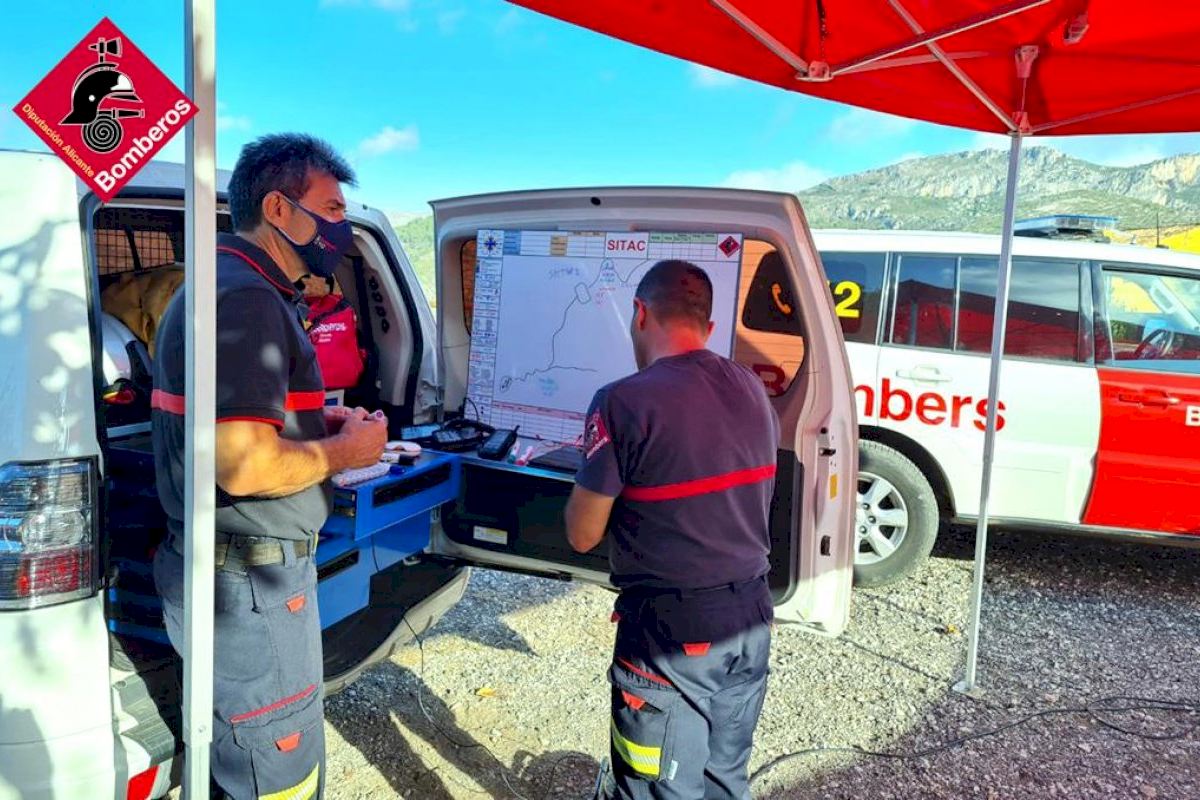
(896, 516)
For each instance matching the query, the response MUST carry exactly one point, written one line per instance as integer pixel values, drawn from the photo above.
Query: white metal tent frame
(1017, 124)
(200, 275)
(200, 201)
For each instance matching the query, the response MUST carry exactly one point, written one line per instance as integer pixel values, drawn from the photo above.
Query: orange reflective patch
(696, 648)
(288, 743)
(296, 603)
(632, 700)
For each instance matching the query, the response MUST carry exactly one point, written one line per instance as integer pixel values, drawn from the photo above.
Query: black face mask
(322, 254)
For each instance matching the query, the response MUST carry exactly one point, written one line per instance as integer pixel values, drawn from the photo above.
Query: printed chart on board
(552, 312)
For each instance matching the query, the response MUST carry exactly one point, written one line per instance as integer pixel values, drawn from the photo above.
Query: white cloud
(383, 5)
(508, 22)
(988, 141)
(789, 178)
(402, 9)
(860, 126)
(448, 20)
(389, 140)
(231, 122)
(1122, 151)
(174, 151)
(709, 78)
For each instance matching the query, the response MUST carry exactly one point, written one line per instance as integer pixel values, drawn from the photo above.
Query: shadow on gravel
(1068, 622)
(1066, 753)
(386, 749)
(479, 616)
(1044, 555)
(412, 707)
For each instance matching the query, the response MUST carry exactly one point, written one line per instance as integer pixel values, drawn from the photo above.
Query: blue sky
(434, 98)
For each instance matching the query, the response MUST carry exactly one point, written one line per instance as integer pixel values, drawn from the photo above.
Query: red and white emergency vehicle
(1099, 413)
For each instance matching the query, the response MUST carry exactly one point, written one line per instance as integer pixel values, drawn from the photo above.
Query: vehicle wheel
(896, 517)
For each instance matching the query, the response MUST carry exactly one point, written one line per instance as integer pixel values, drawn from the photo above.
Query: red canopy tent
(1022, 68)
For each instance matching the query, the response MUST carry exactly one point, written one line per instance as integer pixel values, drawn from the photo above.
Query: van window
(769, 336)
(1153, 319)
(856, 283)
(924, 309)
(1043, 313)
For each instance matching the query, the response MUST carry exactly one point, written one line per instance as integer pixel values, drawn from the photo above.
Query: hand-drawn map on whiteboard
(551, 318)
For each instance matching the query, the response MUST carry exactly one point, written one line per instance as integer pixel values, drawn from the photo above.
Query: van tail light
(48, 542)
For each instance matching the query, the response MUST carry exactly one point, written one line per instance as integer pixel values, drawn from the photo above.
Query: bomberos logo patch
(105, 109)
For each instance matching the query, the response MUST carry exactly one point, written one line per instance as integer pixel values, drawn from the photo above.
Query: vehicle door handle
(924, 374)
(1156, 399)
(1159, 399)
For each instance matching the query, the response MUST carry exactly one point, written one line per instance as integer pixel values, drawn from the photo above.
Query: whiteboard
(551, 318)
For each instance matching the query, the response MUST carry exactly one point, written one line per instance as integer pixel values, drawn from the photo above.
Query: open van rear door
(510, 517)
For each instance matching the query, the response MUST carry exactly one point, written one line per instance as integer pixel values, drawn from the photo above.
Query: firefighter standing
(679, 469)
(276, 446)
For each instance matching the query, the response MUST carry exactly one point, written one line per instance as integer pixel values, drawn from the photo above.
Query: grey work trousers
(268, 718)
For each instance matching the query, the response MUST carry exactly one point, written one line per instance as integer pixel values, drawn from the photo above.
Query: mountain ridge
(964, 191)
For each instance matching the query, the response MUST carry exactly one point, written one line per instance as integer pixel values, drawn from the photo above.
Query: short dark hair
(279, 162)
(678, 290)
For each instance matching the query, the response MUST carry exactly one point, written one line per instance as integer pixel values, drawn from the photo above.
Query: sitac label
(105, 109)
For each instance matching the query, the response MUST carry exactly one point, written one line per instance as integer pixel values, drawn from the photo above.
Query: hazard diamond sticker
(105, 109)
(729, 245)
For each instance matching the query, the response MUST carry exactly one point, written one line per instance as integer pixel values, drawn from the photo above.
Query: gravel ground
(513, 683)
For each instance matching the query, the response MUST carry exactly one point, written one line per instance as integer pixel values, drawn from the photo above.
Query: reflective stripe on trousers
(683, 725)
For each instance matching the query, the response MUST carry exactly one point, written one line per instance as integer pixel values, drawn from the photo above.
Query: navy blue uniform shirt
(267, 371)
(688, 447)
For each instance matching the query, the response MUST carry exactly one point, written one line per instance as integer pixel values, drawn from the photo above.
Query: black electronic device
(561, 459)
(498, 444)
(458, 435)
(421, 434)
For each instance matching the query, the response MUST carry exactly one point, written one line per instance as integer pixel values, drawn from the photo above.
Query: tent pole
(200, 237)
(968, 684)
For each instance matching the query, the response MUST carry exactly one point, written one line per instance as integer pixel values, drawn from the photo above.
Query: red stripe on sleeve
(264, 420)
(714, 483)
(170, 403)
(305, 401)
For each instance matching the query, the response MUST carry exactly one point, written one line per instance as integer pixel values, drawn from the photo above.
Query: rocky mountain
(965, 191)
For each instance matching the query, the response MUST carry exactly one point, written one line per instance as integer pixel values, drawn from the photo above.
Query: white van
(1099, 408)
(89, 689)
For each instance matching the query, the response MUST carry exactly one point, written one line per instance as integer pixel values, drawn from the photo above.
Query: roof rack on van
(1066, 226)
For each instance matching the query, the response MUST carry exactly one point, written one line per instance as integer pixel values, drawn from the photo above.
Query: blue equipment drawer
(377, 524)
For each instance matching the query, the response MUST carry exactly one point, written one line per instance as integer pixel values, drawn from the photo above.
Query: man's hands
(336, 415)
(363, 437)
(253, 460)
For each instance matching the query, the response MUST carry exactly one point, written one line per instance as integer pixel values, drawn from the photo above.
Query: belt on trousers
(234, 553)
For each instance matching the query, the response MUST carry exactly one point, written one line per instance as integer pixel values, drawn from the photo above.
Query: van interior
(366, 587)
(768, 338)
(137, 254)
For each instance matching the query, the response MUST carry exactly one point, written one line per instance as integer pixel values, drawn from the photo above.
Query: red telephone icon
(777, 296)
